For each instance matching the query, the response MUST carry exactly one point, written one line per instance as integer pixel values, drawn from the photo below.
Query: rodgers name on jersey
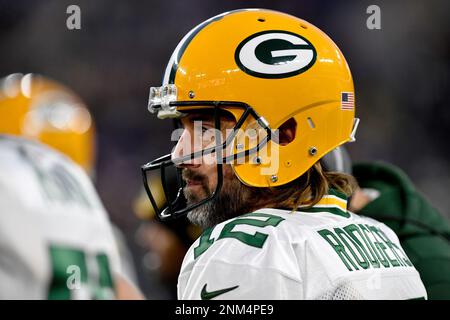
(56, 239)
(364, 246)
(323, 252)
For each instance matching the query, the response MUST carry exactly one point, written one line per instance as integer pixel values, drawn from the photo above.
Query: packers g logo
(275, 54)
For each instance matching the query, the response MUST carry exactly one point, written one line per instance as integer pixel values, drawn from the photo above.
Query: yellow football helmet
(265, 68)
(36, 107)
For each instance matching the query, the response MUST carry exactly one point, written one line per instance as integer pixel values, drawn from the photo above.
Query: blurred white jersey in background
(56, 240)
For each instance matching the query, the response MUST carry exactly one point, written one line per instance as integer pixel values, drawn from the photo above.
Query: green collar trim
(337, 193)
(334, 202)
(332, 210)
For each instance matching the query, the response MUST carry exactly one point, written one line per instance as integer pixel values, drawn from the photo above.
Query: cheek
(211, 172)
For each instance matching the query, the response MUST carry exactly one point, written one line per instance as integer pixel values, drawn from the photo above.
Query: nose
(185, 147)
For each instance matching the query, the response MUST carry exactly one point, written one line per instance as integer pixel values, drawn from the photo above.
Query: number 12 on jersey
(255, 240)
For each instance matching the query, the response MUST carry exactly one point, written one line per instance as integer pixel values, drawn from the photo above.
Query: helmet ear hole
(286, 132)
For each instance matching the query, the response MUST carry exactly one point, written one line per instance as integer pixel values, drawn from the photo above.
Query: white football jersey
(55, 237)
(323, 252)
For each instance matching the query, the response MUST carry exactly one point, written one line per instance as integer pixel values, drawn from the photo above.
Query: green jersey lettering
(371, 243)
(255, 240)
(377, 246)
(351, 229)
(363, 262)
(334, 242)
(404, 261)
(383, 247)
(205, 243)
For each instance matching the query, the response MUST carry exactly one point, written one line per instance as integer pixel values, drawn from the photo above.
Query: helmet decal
(275, 54)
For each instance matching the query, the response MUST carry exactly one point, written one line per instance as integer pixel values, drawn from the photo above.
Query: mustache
(188, 174)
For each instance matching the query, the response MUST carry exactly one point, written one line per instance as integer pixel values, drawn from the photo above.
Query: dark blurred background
(401, 74)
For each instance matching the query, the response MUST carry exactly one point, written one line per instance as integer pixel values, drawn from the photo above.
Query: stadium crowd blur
(401, 75)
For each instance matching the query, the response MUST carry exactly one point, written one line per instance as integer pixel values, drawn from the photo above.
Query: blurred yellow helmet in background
(37, 107)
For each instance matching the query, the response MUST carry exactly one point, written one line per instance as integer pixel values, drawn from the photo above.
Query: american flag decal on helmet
(347, 101)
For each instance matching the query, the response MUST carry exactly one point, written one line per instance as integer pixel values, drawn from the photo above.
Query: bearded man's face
(201, 176)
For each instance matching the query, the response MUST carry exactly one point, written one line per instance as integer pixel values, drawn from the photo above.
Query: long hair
(306, 190)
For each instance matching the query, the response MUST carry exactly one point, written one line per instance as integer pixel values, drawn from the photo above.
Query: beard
(232, 200)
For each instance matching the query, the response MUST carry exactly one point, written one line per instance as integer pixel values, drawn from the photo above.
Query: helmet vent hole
(311, 123)
(303, 26)
(262, 20)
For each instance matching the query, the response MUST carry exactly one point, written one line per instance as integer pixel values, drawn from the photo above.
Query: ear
(287, 132)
